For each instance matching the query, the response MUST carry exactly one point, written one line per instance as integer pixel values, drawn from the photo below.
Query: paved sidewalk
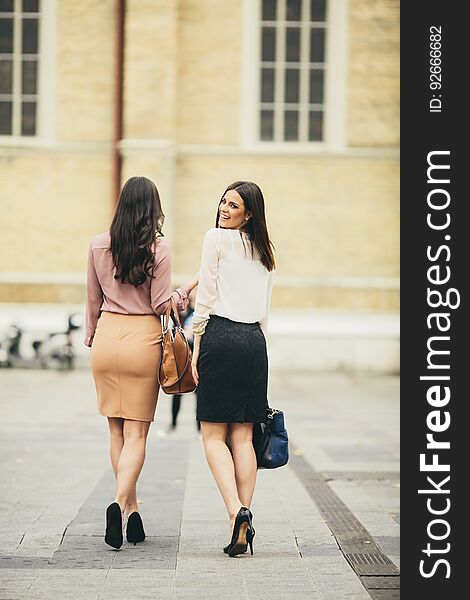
(56, 482)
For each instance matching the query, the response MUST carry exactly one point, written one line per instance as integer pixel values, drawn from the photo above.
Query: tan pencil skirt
(125, 357)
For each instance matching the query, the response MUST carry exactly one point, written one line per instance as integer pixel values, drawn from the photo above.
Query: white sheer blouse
(232, 283)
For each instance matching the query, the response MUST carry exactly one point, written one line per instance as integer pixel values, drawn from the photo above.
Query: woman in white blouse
(230, 361)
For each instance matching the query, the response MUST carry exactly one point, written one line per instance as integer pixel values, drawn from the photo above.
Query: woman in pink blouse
(128, 287)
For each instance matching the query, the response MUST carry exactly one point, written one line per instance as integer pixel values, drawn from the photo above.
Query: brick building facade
(300, 96)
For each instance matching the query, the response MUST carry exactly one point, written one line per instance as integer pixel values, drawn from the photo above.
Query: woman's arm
(264, 322)
(196, 348)
(207, 292)
(160, 285)
(94, 299)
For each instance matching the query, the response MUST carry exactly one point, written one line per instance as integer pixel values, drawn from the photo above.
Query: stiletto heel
(243, 533)
(135, 529)
(113, 535)
(250, 534)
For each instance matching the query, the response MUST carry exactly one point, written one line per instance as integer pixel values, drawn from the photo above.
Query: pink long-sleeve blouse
(104, 293)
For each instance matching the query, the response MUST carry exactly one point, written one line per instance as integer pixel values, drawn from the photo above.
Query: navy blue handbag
(270, 440)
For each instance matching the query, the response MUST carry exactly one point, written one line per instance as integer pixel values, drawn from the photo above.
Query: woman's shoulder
(160, 242)
(212, 232)
(101, 240)
(217, 233)
(212, 236)
(161, 248)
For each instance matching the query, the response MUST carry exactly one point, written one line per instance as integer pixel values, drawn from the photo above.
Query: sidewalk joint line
(63, 534)
(106, 576)
(20, 542)
(27, 529)
(37, 518)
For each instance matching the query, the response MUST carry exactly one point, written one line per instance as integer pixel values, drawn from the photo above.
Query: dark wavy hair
(256, 226)
(137, 223)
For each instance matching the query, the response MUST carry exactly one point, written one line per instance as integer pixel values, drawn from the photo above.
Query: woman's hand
(194, 371)
(197, 345)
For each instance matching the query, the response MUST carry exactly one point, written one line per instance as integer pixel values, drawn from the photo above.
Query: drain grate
(376, 571)
(369, 559)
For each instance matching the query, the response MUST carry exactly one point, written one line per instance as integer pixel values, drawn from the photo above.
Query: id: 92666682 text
(435, 68)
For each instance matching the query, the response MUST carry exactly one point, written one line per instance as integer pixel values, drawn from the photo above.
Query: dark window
(19, 67)
(292, 44)
(291, 125)
(317, 45)
(5, 118)
(292, 71)
(316, 86)
(267, 125)
(267, 85)
(6, 76)
(318, 10)
(30, 36)
(269, 10)
(268, 44)
(30, 5)
(6, 6)
(293, 9)
(6, 35)
(291, 87)
(28, 118)
(315, 126)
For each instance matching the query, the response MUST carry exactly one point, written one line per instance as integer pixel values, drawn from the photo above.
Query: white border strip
(336, 75)
(47, 104)
(379, 283)
(17, 147)
(43, 278)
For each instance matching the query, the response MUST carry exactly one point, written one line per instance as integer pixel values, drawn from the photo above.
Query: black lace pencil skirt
(233, 373)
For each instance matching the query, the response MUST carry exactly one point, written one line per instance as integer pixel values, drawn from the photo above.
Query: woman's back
(126, 298)
(232, 283)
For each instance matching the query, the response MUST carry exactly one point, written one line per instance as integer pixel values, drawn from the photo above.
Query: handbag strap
(171, 312)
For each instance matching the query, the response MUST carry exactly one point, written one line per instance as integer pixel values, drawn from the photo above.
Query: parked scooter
(55, 351)
(10, 346)
(3, 354)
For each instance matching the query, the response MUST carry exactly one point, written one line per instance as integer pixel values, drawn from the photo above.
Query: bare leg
(244, 459)
(116, 440)
(130, 463)
(220, 462)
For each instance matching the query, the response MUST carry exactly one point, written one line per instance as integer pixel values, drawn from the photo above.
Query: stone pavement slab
(56, 482)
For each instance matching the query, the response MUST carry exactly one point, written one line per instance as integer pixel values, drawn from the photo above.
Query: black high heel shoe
(113, 535)
(250, 533)
(135, 529)
(243, 533)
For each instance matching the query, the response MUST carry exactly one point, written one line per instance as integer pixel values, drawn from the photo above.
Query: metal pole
(120, 9)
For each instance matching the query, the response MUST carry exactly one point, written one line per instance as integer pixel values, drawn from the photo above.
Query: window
(19, 66)
(292, 74)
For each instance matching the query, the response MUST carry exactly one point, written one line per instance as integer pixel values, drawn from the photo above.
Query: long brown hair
(256, 226)
(137, 223)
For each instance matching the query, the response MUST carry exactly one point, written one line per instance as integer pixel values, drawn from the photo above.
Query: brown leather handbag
(175, 374)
